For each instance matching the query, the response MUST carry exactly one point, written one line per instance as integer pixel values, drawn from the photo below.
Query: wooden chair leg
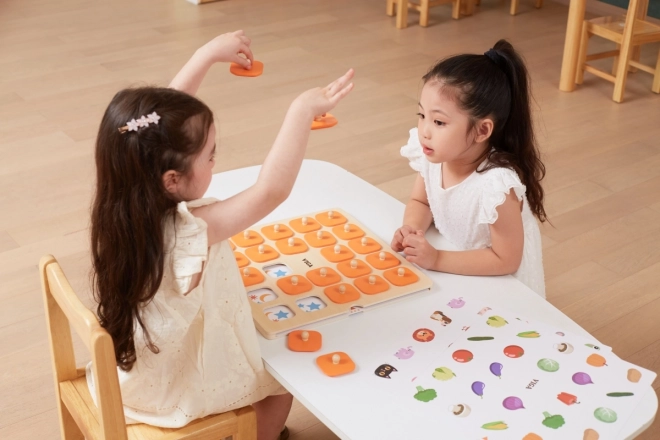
(656, 76)
(467, 7)
(424, 13)
(390, 8)
(456, 8)
(615, 61)
(514, 7)
(539, 4)
(401, 14)
(625, 54)
(582, 57)
(477, 2)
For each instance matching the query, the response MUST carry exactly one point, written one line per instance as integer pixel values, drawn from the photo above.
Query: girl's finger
(239, 32)
(340, 82)
(340, 94)
(245, 50)
(245, 40)
(410, 251)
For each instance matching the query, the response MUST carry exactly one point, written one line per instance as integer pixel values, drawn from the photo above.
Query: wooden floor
(61, 62)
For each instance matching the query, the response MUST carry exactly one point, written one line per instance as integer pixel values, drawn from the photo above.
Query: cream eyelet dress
(463, 213)
(209, 360)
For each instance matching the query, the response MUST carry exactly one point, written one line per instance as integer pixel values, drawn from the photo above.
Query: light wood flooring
(61, 62)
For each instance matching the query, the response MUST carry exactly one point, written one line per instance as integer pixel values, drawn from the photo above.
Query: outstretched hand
(419, 251)
(232, 47)
(322, 100)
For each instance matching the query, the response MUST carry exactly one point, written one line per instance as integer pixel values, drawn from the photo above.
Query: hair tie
(494, 56)
(144, 121)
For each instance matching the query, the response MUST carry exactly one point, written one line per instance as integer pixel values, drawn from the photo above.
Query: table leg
(401, 14)
(572, 45)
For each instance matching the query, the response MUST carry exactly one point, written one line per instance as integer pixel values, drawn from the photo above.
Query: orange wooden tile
(298, 226)
(327, 239)
(339, 297)
(296, 343)
(326, 219)
(408, 277)
(334, 257)
(272, 234)
(331, 277)
(267, 254)
(379, 285)
(256, 70)
(348, 231)
(287, 286)
(370, 245)
(252, 239)
(233, 246)
(241, 260)
(353, 272)
(251, 276)
(298, 247)
(345, 365)
(326, 121)
(389, 261)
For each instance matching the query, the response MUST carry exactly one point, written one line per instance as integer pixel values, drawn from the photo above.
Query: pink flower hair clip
(144, 121)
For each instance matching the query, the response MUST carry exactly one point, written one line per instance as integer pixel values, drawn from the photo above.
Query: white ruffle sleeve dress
(464, 212)
(209, 359)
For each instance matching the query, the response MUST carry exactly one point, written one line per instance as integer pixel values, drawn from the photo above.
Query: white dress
(209, 360)
(464, 212)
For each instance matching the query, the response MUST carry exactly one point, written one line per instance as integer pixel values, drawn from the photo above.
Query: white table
(321, 185)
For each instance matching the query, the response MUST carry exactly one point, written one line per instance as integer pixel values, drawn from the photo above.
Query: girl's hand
(419, 251)
(399, 235)
(322, 100)
(228, 48)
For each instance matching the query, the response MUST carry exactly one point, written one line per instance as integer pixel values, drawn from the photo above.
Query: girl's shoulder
(413, 152)
(495, 184)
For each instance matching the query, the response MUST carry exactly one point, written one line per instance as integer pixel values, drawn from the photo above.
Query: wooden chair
(423, 7)
(629, 32)
(514, 6)
(79, 417)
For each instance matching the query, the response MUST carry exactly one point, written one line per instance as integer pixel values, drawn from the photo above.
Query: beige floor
(61, 62)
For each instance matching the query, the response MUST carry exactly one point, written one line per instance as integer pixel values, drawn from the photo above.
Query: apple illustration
(404, 353)
(496, 321)
(513, 351)
(456, 303)
(462, 356)
(443, 374)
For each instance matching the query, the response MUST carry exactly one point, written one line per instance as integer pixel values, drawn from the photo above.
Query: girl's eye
(421, 116)
(438, 123)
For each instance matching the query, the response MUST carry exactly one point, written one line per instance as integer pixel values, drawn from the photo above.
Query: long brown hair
(131, 203)
(496, 85)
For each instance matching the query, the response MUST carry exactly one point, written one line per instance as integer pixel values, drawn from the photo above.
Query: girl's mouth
(426, 150)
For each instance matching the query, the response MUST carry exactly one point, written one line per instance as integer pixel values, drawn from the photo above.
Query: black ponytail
(496, 85)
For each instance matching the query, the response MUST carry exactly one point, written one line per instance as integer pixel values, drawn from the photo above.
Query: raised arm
(223, 48)
(280, 168)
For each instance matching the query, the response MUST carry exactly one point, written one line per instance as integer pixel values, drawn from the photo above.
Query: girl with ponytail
(479, 170)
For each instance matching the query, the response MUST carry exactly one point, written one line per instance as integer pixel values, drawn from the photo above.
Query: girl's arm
(417, 216)
(502, 258)
(280, 169)
(223, 48)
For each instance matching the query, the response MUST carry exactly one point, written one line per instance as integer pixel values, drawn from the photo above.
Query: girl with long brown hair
(165, 277)
(479, 170)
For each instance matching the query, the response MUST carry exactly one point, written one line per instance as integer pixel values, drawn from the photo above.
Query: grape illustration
(478, 388)
(496, 369)
(582, 378)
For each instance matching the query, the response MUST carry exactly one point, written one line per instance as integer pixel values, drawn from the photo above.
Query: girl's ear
(484, 130)
(171, 182)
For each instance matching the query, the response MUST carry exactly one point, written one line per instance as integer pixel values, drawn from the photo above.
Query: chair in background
(514, 6)
(629, 32)
(422, 7)
(79, 416)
